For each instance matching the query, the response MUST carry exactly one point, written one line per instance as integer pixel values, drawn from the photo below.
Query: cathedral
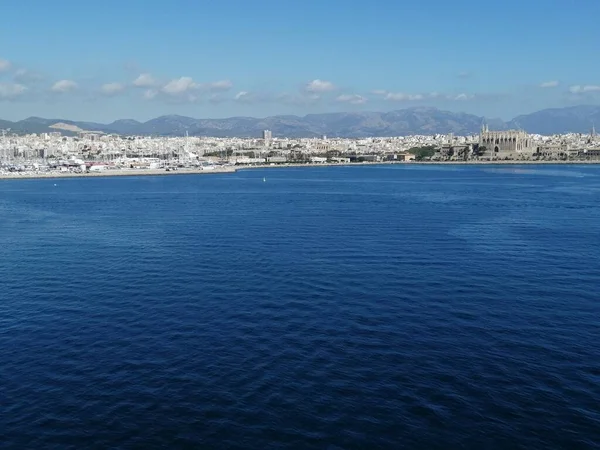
(511, 144)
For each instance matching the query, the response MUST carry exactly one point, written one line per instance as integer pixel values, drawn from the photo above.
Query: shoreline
(509, 163)
(234, 169)
(421, 163)
(112, 173)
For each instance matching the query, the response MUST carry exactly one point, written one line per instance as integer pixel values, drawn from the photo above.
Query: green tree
(479, 150)
(424, 152)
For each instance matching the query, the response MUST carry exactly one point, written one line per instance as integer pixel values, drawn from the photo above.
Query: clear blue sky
(83, 60)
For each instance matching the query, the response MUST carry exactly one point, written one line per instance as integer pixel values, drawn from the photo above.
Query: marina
(82, 154)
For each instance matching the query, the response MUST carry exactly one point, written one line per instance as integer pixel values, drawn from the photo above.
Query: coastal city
(88, 153)
(300, 225)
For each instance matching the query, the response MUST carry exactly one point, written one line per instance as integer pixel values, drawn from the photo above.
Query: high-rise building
(267, 137)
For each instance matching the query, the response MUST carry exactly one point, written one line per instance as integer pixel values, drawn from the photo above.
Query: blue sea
(381, 307)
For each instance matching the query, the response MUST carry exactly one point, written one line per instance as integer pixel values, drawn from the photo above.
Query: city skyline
(140, 60)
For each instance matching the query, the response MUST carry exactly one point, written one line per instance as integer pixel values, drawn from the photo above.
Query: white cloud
(63, 86)
(353, 99)
(243, 96)
(221, 85)
(549, 84)
(185, 88)
(145, 80)
(402, 97)
(179, 86)
(11, 90)
(149, 94)
(24, 75)
(577, 89)
(112, 88)
(247, 97)
(316, 86)
(462, 96)
(5, 65)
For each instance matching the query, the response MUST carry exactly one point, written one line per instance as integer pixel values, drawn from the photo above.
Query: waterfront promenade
(113, 173)
(233, 169)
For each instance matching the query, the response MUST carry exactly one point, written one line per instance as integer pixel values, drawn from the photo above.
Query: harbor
(229, 169)
(53, 155)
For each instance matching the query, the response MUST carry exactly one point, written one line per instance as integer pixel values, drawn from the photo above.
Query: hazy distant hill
(124, 126)
(417, 120)
(574, 119)
(41, 125)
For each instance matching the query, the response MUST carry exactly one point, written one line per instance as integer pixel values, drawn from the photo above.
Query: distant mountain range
(417, 120)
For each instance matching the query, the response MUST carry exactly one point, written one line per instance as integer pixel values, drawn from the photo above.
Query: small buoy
(54, 184)
(264, 179)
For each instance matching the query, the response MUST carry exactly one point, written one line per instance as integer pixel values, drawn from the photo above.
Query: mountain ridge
(409, 121)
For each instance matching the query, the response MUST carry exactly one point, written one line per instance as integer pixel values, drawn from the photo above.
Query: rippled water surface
(361, 307)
